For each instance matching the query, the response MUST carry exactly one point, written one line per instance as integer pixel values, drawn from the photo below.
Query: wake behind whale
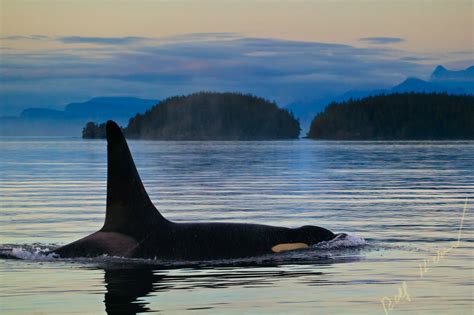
(134, 228)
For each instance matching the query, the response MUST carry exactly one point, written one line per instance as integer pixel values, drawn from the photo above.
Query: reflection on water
(404, 198)
(127, 286)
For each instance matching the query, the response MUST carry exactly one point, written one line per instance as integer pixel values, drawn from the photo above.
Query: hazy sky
(53, 52)
(426, 26)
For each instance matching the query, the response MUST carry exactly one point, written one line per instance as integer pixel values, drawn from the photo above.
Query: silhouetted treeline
(93, 131)
(210, 116)
(407, 116)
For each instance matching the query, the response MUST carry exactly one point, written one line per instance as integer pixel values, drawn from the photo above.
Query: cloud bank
(23, 37)
(382, 40)
(100, 40)
(280, 70)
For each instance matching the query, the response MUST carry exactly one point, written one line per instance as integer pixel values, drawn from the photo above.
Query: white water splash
(342, 241)
(32, 253)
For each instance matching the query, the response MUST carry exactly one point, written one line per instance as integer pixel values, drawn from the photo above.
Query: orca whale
(133, 227)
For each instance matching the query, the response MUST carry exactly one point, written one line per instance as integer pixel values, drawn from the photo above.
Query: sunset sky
(56, 52)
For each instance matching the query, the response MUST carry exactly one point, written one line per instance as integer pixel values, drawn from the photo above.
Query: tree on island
(210, 116)
(407, 116)
(92, 131)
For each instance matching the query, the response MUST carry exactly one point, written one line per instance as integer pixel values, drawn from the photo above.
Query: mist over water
(400, 203)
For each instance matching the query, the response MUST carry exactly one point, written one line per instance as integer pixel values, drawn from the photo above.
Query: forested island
(406, 116)
(208, 116)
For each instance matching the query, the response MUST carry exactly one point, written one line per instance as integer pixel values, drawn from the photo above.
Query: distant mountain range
(45, 121)
(441, 80)
(443, 74)
(98, 108)
(70, 121)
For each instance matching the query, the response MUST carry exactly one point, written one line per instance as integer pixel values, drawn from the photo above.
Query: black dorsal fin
(129, 208)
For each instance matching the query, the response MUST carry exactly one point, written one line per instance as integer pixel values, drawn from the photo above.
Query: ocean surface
(407, 207)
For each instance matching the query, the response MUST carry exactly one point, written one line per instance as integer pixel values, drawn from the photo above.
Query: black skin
(203, 241)
(134, 227)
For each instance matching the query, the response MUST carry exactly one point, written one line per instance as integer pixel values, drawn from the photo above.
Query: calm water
(400, 202)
